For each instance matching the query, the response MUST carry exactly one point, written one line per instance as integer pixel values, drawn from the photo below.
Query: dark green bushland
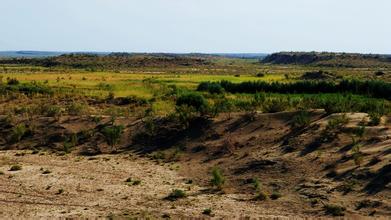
(376, 89)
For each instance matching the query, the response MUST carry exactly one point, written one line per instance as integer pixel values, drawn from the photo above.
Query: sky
(207, 26)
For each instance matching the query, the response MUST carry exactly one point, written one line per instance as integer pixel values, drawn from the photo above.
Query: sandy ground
(95, 187)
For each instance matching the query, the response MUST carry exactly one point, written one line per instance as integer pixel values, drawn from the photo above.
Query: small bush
(184, 114)
(18, 132)
(60, 191)
(276, 105)
(211, 87)
(334, 210)
(176, 194)
(51, 110)
(301, 120)
(207, 211)
(218, 178)
(46, 172)
(195, 100)
(275, 195)
(374, 118)
(357, 155)
(113, 134)
(261, 196)
(15, 167)
(12, 81)
(76, 109)
(337, 122)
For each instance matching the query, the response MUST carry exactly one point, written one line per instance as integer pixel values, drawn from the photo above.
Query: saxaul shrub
(301, 120)
(194, 100)
(17, 133)
(113, 134)
(218, 178)
(259, 194)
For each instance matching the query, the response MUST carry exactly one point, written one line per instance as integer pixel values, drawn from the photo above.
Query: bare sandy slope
(97, 188)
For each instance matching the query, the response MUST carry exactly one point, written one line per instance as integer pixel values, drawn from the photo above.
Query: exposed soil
(308, 170)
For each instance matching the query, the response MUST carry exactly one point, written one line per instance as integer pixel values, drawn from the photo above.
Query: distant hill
(329, 59)
(242, 55)
(41, 54)
(28, 54)
(112, 61)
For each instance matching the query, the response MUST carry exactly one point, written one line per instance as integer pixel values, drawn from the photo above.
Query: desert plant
(51, 110)
(12, 81)
(113, 134)
(276, 105)
(195, 100)
(15, 167)
(357, 155)
(301, 120)
(18, 132)
(176, 194)
(259, 194)
(76, 108)
(335, 210)
(70, 142)
(275, 195)
(374, 118)
(184, 114)
(218, 178)
(207, 211)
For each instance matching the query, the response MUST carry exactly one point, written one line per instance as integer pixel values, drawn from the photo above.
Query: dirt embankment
(332, 165)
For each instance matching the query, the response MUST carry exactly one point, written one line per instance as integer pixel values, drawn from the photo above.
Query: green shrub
(12, 81)
(207, 211)
(218, 178)
(176, 194)
(76, 108)
(337, 123)
(275, 195)
(113, 134)
(276, 105)
(184, 114)
(334, 210)
(211, 87)
(51, 110)
(15, 167)
(374, 118)
(259, 194)
(222, 105)
(357, 155)
(18, 132)
(301, 120)
(195, 100)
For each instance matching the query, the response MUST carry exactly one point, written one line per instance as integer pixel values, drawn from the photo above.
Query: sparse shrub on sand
(259, 194)
(17, 133)
(176, 194)
(218, 178)
(15, 167)
(301, 120)
(113, 134)
(334, 210)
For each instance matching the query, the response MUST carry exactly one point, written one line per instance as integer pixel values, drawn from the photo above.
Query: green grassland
(155, 83)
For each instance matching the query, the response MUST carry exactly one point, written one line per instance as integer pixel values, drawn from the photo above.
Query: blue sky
(196, 25)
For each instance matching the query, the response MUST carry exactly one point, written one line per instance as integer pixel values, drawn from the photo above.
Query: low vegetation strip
(376, 89)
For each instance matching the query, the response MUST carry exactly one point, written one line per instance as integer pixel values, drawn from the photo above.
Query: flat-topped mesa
(328, 59)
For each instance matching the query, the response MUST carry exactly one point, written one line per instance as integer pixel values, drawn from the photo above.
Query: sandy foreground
(95, 187)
